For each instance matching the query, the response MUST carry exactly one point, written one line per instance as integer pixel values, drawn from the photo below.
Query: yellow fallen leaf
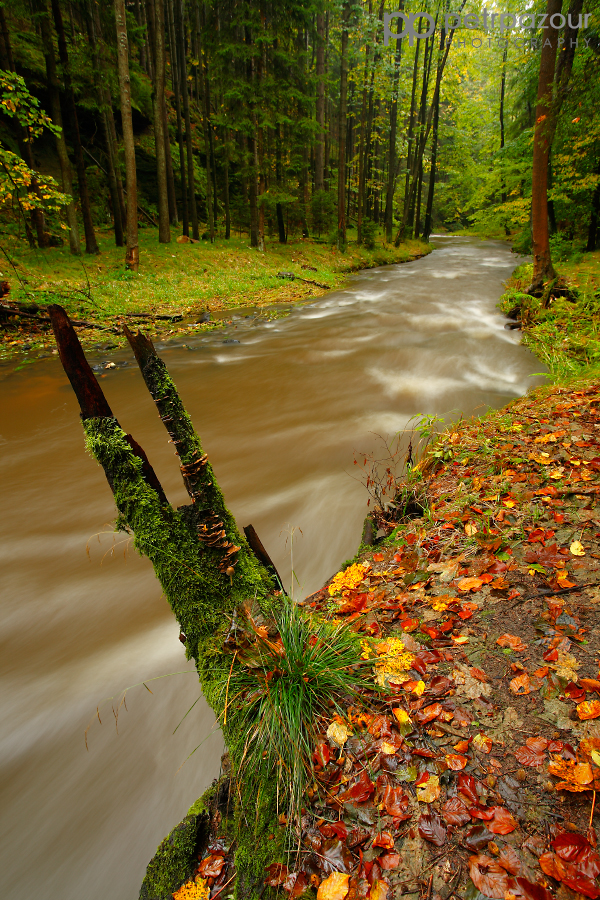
(402, 716)
(595, 757)
(193, 890)
(509, 503)
(420, 687)
(335, 887)
(388, 749)
(469, 584)
(471, 529)
(429, 791)
(576, 548)
(557, 473)
(338, 733)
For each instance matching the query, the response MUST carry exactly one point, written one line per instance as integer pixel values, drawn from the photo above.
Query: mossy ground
(186, 279)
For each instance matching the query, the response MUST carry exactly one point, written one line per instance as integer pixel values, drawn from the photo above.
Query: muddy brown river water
(82, 617)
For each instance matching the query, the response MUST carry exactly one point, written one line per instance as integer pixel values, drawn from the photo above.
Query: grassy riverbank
(177, 279)
(473, 774)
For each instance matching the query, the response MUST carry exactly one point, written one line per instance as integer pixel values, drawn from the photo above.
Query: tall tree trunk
(176, 84)
(91, 245)
(418, 207)
(501, 116)
(226, 185)
(169, 165)
(114, 182)
(157, 33)
(252, 188)
(180, 38)
(279, 176)
(342, 126)
(132, 253)
(391, 180)
(204, 86)
(547, 110)
(320, 104)
(432, 171)
(61, 145)
(361, 147)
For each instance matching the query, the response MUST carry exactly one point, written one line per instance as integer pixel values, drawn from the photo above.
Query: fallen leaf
(384, 839)
(430, 791)
(335, 887)
(432, 828)
(512, 641)
(338, 733)
(455, 812)
(576, 549)
(528, 757)
(509, 860)
(521, 684)
(482, 743)
(456, 762)
(488, 876)
(211, 866)
(576, 776)
(389, 861)
(588, 709)
(469, 584)
(379, 890)
(394, 801)
(503, 822)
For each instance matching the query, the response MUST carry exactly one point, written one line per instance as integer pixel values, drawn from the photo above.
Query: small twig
(224, 886)
(592, 812)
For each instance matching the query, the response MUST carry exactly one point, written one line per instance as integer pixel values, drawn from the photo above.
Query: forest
(305, 118)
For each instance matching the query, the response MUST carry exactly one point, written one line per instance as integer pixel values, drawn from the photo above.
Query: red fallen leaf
(590, 684)
(334, 829)
(503, 822)
(296, 884)
(569, 874)
(432, 828)
(276, 874)
(426, 754)
(360, 791)
(486, 578)
(555, 746)
(479, 674)
(384, 839)
(478, 838)
(551, 655)
(559, 518)
(488, 876)
(546, 556)
(456, 762)
(440, 685)
(485, 813)
(211, 866)
(389, 861)
(588, 862)
(380, 726)
(378, 557)
(455, 812)
(395, 802)
(354, 603)
(512, 642)
(568, 845)
(409, 624)
(422, 779)
(468, 786)
(537, 743)
(509, 860)
(322, 754)
(497, 567)
(531, 891)
(528, 757)
(429, 713)
(537, 535)
(574, 691)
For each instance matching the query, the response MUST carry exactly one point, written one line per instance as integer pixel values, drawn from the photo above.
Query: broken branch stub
(204, 565)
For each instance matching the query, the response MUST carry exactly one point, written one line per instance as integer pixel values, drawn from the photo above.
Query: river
(280, 414)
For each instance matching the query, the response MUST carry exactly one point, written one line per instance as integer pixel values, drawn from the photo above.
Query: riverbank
(181, 288)
(474, 774)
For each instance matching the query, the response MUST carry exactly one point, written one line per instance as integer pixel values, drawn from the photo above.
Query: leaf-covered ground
(473, 773)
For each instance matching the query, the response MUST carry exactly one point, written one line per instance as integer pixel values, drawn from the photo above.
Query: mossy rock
(176, 859)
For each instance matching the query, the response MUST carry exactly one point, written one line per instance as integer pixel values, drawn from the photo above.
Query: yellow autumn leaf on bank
(576, 548)
(401, 716)
(334, 888)
(349, 579)
(193, 890)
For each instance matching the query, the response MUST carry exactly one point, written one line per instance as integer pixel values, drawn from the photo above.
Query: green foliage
(279, 691)
(323, 205)
(17, 181)
(368, 233)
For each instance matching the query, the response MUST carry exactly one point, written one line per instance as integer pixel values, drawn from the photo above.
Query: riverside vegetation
(465, 758)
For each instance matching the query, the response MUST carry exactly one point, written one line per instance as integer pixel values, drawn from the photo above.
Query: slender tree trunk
(169, 165)
(391, 182)
(279, 176)
(186, 115)
(252, 189)
(157, 8)
(207, 149)
(543, 270)
(341, 237)
(594, 216)
(91, 245)
(176, 84)
(361, 148)
(320, 105)
(418, 207)
(432, 171)
(132, 253)
(226, 186)
(502, 96)
(61, 145)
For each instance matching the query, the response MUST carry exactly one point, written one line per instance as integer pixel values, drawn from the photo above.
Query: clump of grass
(281, 691)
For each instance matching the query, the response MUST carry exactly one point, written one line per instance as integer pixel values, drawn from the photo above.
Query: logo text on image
(472, 21)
